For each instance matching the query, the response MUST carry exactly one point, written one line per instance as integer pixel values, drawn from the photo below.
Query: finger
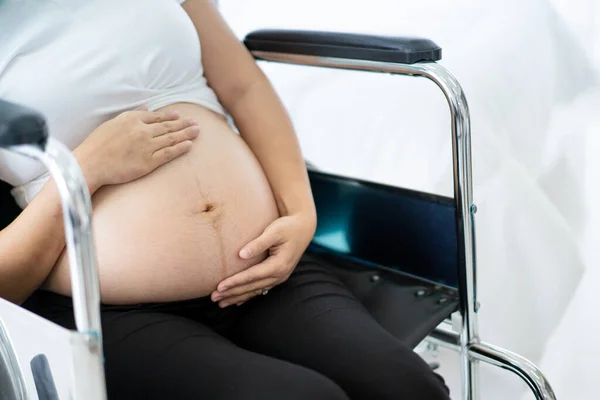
(239, 299)
(265, 270)
(142, 108)
(171, 139)
(166, 127)
(153, 117)
(270, 237)
(170, 153)
(239, 290)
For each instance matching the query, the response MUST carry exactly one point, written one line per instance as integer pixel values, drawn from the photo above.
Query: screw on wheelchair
(414, 290)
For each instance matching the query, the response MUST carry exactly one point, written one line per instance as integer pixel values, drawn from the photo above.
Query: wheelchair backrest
(405, 230)
(9, 210)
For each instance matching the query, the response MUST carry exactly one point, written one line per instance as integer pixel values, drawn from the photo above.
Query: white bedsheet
(527, 78)
(572, 351)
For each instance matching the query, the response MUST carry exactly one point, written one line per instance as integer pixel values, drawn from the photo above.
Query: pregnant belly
(176, 233)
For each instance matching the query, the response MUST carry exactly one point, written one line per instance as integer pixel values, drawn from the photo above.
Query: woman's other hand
(285, 239)
(132, 145)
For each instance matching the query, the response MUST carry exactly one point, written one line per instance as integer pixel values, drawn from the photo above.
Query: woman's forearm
(31, 245)
(266, 127)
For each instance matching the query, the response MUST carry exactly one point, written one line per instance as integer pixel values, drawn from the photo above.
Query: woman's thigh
(314, 320)
(157, 355)
(161, 356)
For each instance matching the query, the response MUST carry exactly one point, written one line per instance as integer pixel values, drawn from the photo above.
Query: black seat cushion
(407, 307)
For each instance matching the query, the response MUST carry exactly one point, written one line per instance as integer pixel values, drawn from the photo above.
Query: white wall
(529, 77)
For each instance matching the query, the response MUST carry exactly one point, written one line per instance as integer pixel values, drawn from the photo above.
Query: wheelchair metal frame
(467, 341)
(77, 214)
(7, 353)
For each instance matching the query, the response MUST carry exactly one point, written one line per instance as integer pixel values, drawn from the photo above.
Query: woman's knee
(394, 375)
(428, 386)
(241, 379)
(299, 383)
(411, 386)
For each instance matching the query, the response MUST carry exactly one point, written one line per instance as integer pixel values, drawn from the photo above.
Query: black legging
(309, 338)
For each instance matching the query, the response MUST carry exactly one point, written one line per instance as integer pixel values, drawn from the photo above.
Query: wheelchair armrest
(20, 125)
(394, 49)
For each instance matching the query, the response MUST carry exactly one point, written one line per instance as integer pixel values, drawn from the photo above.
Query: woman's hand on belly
(134, 144)
(285, 239)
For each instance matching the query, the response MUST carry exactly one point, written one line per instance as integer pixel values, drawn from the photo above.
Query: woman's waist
(169, 245)
(164, 260)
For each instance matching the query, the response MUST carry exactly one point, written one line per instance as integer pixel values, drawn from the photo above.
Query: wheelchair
(411, 262)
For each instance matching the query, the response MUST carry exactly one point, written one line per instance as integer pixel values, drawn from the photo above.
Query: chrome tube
(463, 185)
(77, 215)
(524, 368)
(17, 386)
(445, 338)
(77, 207)
(498, 357)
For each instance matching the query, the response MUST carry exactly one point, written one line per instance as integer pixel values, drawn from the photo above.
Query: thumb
(259, 245)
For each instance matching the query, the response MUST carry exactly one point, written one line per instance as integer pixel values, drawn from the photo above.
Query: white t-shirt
(82, 62)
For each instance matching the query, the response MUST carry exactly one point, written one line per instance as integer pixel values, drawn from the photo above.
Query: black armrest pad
(20, 125)
(404, 50)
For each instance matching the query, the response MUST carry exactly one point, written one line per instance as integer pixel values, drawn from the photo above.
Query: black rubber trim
(43, 379)
(21, 125)
(394, 49)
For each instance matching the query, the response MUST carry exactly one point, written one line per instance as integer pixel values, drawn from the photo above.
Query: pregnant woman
(200, 231)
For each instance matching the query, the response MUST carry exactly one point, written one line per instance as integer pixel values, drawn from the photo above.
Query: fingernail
(195, 129)
(223, 305)
(175, 114)
(245, 253)
(218, 298)
(224, 288)
(192, 122)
